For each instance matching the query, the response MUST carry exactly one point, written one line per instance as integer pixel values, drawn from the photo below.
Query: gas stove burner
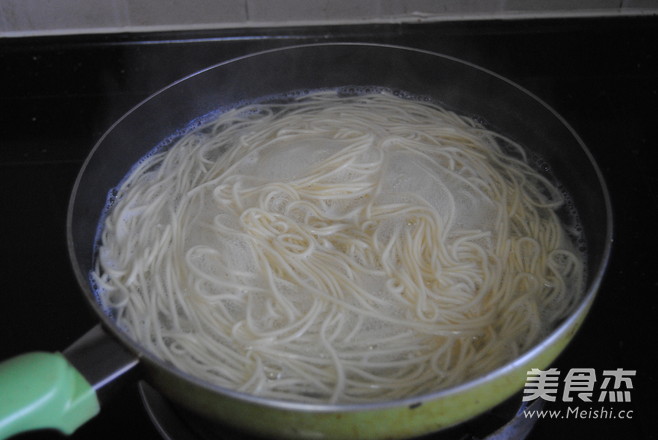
(504, 422)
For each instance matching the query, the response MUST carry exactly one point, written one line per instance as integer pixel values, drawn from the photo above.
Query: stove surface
(59, 94)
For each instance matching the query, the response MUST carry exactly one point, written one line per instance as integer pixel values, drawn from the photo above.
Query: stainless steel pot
(106, 352)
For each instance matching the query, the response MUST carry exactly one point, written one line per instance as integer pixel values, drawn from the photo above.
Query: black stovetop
(59, 94)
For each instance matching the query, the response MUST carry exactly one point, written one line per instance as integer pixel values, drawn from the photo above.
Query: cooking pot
(62, 391)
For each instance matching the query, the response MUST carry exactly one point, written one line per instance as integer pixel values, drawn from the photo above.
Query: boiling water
(379, 174)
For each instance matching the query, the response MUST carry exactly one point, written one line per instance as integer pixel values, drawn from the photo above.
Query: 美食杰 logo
(589, 394)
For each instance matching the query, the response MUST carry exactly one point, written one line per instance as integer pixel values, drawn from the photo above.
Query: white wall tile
(180, 13)
(431, 7)
(561, 5)
(312, 10)
(640, 4)
(46, 17)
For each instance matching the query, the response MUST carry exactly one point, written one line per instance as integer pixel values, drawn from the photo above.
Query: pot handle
(43, 390)
(60, 390)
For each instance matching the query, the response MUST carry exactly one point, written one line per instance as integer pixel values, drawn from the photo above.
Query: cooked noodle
(338, 249)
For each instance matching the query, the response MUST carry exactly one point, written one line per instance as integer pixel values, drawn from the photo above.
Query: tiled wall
(50, 17)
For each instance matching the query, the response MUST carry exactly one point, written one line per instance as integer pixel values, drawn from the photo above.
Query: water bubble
(273, 375)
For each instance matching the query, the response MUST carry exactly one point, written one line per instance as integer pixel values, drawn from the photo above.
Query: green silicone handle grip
(43, 390)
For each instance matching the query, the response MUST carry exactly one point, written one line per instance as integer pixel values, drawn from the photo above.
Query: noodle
(337, 249)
